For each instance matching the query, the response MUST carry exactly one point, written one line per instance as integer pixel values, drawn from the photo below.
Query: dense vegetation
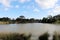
(22, 19)
(18, 36)
(56, 36)
(14, 36)
(44, 36)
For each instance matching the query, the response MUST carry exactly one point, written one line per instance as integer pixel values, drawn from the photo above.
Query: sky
(29, 8)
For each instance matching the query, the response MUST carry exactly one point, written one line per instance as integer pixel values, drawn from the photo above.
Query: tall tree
(22, 17)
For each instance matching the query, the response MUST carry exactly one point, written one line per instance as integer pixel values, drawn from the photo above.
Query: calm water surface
(35, 28)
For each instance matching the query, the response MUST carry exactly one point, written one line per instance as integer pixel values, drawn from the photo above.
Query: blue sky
(29, 8)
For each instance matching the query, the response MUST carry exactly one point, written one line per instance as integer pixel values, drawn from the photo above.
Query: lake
(35, 29)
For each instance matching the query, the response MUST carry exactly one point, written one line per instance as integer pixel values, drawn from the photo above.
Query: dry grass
(14, 36)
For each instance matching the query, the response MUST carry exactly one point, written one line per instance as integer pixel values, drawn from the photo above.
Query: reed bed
(18, 36)
(44, 36)
(14, 36)
(56, 36)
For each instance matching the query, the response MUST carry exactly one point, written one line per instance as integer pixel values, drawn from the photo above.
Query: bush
(44, 36)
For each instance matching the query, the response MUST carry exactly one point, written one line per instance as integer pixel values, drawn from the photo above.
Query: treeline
(51, 19)
(22, 19)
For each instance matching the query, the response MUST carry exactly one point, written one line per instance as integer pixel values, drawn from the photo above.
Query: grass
(17, 36)
(45, 36)
(14, 36)
(56, 36)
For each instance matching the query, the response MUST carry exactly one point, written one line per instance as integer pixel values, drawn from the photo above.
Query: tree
(44, 20)
(49, 17)
(5, 19)
(32, 20)
(22, 17)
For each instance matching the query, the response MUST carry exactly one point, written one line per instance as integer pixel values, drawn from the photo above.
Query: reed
(14, 36)
(44, 36)
(56, 36)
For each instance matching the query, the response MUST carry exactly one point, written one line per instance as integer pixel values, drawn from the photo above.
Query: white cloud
(6, 3)
(36, 10)
(45, 4)
(12, 0)
(23, 1)
(57, 9)
(54, 11)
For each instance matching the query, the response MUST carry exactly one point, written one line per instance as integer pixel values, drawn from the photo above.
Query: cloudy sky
(29, 8)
